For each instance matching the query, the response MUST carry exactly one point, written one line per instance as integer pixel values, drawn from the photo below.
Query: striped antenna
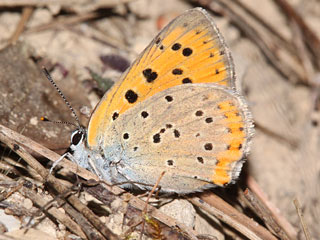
(48, 76)
(44, 119)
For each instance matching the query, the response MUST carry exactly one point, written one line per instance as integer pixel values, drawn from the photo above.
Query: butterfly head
(78, 137)
(78, 148)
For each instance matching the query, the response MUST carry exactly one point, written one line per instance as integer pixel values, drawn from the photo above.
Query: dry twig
(229, 215)
(263, 212)
(26, 14)
(57, 185)
(304, 225)
(289, 229)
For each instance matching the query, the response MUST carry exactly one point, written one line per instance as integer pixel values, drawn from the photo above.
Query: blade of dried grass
(264, 213)
(56, 213)
(255, 188)
(26, 14)
(303, 223)
(214, 205)
(56, 184)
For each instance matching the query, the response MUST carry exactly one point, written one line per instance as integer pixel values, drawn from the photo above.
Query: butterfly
(175, 110)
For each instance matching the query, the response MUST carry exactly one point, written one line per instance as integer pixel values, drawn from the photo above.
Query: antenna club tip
(44, 119)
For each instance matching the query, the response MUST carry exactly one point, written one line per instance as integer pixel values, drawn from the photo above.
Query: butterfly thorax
(103, 161)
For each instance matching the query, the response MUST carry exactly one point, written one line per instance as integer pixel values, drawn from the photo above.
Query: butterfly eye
(77, 137)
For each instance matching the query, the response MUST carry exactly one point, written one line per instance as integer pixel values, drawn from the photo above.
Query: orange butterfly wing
(190, 49)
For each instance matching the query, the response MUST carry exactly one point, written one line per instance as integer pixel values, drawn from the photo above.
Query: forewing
(188, 50)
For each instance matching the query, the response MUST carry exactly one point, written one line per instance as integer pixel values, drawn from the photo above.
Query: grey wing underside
(181, 130)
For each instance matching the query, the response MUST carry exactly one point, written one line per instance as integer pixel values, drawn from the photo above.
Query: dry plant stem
(265, 41)
(229, 215)
(90, 33)
(64, 21)
(56, 213)
(292, 142)
(84, 225)
(101, 37)
(80, 219)
(52, 156)
(29, 159)
(6, 186)
(260, 209)
(152, 191)
(6, 167)
(37, 3)
(62, 3)
(266, 25)
(304, 55)
(132, 228)
(13, 188)
(6, 237)
(267, 45)
(134, 201)
(311, 38)
(56, 184)
(32, 174)
(159, 215)
(26, 14)
(255, 188)
(144, 212)
(303, 224)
